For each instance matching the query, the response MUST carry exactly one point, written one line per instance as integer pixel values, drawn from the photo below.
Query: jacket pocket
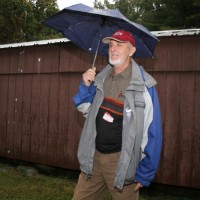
(139, 100)
(140, 104)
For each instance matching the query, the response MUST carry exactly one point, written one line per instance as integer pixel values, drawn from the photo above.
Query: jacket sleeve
(84, 97)
(152, 139)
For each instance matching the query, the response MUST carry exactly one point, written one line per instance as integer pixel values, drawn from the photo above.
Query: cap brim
(107, 40)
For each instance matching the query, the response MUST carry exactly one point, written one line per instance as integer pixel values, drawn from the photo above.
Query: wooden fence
(39, 123)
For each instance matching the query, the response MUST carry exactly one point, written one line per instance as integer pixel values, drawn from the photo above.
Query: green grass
(47, 183)
(16, 186)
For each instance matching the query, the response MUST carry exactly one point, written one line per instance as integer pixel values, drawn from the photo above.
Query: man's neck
(120, 68)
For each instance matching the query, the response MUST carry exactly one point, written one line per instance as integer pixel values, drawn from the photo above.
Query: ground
(26, 181)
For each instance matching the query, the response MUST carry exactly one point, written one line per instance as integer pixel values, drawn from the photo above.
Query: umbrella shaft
(95, 56)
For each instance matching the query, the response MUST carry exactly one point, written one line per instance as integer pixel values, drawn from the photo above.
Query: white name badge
(107, 117)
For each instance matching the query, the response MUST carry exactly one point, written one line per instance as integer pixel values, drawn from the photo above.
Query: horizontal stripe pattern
(113, 106)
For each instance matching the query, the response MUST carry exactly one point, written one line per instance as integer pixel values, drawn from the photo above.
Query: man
(120, 145)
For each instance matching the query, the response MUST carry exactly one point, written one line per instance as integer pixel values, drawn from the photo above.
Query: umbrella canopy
(86, 26)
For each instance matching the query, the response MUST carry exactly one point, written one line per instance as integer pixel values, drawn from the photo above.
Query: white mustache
(114, 54)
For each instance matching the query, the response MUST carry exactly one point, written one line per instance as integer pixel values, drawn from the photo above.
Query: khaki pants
(103, 178)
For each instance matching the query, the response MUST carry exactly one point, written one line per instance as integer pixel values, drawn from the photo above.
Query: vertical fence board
(72, 154)
(159, 60)
(26, 119)
(21, 66)
(3, 114)
(11, 116)
(174, 56)
(51, 58)
(43, 150)
(86, 61)
(161, 88)
(18, 116)
(75, 127)
(75, 62)
(75, 122)
(64, 114)
(65, 58)
(196, 136)
(161, 55)
(39, 60)
(25, 147)
(53, 118)
(198, 54)
(185, 135)
(189, 54)
(30, 59)
(14, 60)
(171, 128)
(5, 61)
(53, 105)
(44, 118)
(35, 116)
(62, 153)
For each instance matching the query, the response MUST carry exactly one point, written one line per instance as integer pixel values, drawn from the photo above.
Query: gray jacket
(133, 126)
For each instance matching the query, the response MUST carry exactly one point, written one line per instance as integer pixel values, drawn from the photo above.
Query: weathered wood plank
(171, 128)
(35, 115)
(44, 118)
(195, 148)
(11, 116)
(26, 118)
(5, 55)
(186, 129)
(3, 114)
(161, 88)
(17, 131)
(51, 58)
(189, 54)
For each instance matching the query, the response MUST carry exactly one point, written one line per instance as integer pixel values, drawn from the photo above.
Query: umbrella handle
(95, 57)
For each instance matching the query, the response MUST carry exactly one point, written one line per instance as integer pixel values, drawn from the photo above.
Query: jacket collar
(136, 82)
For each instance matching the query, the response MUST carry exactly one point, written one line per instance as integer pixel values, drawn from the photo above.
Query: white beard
(116, 62)
(119, 61)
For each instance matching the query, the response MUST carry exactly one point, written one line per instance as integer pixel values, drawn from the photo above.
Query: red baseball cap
(120, 36)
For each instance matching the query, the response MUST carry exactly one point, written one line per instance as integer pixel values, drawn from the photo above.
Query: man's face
(119, 52)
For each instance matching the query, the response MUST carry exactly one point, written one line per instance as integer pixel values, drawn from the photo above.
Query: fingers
(89, 76)
(138, 186)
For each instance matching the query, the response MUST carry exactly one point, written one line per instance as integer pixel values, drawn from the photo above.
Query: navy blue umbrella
(86, 26)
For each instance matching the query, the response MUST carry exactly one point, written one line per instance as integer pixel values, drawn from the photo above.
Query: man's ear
(132, 51)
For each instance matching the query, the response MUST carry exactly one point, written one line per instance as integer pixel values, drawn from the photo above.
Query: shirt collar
(124, 73)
